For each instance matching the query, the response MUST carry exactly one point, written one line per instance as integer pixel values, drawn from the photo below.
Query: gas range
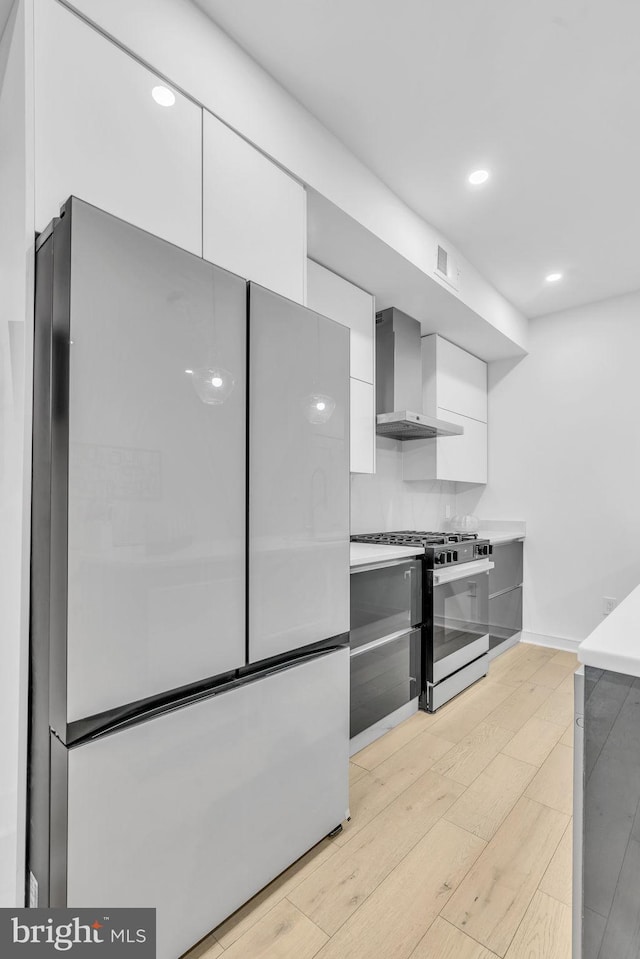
(440, 549)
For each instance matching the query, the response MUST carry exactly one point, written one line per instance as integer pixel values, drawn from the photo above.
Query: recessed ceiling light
(553, 277)
(478, 177)
(164, 96)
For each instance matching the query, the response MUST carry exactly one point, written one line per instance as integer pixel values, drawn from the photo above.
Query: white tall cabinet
(176, 171)
(254, 214)
(454, 389)
(100, 135)
(331, 295)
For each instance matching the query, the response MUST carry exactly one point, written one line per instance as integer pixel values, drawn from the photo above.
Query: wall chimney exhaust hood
(399, 381)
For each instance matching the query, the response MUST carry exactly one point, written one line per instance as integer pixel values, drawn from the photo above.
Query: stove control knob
(440, 557)
(449, 557)
(455, 556)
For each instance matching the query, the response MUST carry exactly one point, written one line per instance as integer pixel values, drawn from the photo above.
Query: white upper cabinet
(100, 135)
(329, 294)
(454, 389)
(363, 427)
(453, 379)
(254, 214)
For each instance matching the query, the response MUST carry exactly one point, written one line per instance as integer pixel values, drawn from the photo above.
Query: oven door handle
(442, 576)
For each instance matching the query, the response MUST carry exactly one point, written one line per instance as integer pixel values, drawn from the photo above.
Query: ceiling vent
(446, 268)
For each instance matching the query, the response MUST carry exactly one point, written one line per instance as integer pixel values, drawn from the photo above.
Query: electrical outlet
(608, 605)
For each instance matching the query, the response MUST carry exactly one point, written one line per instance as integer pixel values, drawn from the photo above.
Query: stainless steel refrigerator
(189, 715)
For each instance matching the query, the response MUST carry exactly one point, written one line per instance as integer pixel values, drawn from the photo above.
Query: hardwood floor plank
(335, 890)
(444, 941)
(487, 802)
(558, 708)
(567, 685)
(284, 933)
(517, 665)
(551, 674)
(355, 773)
(567, 737)
(553, 783)
(466, 760)
(469, 709)
(245, 917)
(534, 741)
(557, 880)
(491, 901)
(520, 706)
(371, 756)
(375, 790)
(565, 658)
(545, 931)
(395, 917)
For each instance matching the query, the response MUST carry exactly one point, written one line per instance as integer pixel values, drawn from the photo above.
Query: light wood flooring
(459, 845)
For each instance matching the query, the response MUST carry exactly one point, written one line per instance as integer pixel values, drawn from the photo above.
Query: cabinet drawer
(507, 570)
(385, 600)
(384, 677)
(505, 614)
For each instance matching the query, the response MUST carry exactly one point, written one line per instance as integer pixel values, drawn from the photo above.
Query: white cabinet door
(454, 380)
(363, 427)
(254, 214)
(100, 135)
(328, 293)
(460, 459)
(335, 297)
(462, 381)
(463, 459)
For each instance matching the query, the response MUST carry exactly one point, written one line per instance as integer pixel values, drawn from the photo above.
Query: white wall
(564, 455)
(16, 258)
(384, 502)
(176, 38)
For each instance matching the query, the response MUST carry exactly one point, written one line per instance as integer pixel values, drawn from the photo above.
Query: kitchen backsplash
(382, 501)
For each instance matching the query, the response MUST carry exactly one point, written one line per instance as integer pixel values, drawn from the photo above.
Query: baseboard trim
(554, 642)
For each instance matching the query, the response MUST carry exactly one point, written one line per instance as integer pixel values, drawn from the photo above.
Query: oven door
(459, 629)
(384, 677)
(386, 599)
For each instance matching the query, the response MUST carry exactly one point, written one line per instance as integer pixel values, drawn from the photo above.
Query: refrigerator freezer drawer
(195, 811)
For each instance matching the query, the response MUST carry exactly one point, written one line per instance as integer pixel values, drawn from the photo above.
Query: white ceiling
(543, 93)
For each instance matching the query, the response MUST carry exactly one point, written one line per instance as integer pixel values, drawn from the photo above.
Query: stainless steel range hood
(399, 381)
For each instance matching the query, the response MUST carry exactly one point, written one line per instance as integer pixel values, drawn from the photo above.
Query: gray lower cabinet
(505, 593)
(610, 801)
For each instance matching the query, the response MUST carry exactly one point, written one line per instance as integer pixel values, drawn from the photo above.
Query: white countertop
(615, 643)
(364, 553)
(497, 536)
